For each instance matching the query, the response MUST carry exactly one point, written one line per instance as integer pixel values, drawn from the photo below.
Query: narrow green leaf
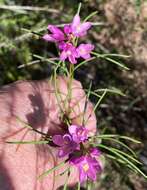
(90, 15)
(123, 158)
(63, 172)
(117, 63)
(45, 59)
(105, 136)
(100, 100)
(117, 136)
(110, 59)
(27, 142)
(66, 181)
(83, 62)
(79, 8)
(122, 144)
(116, 55)
(30, 31)
(120, 161)
(23, 122)
(93, 93)
(86, 101)
(30, 127)
(130, 139)
(115, 91)
(51, 170)
(131, 164)
(127, 155)
(115, 158)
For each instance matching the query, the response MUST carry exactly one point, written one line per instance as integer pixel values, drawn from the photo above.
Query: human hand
(36, 104)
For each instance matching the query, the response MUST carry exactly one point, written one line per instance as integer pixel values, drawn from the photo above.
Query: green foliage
(17, 46)
(138, 5)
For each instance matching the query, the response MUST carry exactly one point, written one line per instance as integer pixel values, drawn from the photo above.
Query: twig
(21, 38)
(34, 62)
(28, 8)
(28, 64)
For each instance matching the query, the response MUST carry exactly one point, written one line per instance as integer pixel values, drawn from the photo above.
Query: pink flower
(66, 144)
(56, 34)
(78, 28)
(88, 167)
(84, 50)
(69, 52)
(78, 133)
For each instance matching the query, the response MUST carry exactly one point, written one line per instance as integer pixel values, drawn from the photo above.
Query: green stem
(51, 170)
(56, 88)
(79, 8)
(79, 185)
(27, 142)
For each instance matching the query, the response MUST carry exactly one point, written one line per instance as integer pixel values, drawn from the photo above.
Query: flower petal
(58, 140)
(77, 160)
(63, 56)
(54, 29)
(65, 150)
(72, 129)
(92, 173)
(67, 29)
(76, 21)
(72, 59)
(86, 56)
(90, 47)
(48, 38)
(85, 26)
(84, 50)
(58, 37)
(82, 175)
(56, 33)
(61, 45)
(67, 138)
(95, 152)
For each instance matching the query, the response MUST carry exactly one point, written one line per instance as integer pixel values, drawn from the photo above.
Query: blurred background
(121, 28)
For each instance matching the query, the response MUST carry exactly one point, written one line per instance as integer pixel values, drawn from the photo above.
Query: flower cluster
(74, 144)
(66, 40)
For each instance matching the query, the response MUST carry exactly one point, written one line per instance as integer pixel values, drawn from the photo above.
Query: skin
(36, 104)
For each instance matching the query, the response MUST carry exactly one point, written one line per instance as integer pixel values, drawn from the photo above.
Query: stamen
(86, 167)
